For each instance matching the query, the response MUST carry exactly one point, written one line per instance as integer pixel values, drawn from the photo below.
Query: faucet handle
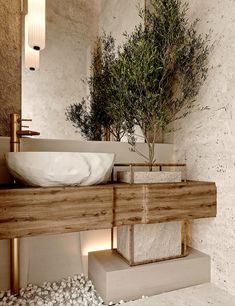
(25, 119)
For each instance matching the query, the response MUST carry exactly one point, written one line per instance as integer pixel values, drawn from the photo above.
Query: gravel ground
(76, 290)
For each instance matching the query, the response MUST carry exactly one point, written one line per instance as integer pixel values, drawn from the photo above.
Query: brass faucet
(16, 134)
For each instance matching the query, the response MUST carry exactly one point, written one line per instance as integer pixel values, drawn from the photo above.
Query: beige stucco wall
(207, 138)
(10, 62)
(71, 28)
(119, 16)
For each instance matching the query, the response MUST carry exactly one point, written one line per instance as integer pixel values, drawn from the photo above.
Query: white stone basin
(48, 169)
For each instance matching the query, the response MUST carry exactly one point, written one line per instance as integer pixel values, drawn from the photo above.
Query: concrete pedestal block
(150, 241)
(115, 280)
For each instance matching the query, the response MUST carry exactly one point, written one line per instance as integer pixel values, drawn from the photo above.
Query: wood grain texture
(38, 211)
(154, 203)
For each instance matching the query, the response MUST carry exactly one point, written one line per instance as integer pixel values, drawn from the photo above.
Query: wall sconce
(31, 55)
(37, 24)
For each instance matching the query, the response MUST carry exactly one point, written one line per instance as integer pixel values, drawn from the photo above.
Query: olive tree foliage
(92, 115)
(147, 80)
(159, 70)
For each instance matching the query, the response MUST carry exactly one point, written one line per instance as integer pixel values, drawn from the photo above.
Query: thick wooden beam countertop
(37, 211)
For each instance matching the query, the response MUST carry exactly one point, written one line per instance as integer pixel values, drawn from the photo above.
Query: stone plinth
(115, 280)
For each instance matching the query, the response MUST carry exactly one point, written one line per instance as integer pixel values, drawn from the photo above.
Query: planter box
(149, 242)
(144, 243)
(141, 177)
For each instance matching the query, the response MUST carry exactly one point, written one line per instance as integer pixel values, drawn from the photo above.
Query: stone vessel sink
(47, 169)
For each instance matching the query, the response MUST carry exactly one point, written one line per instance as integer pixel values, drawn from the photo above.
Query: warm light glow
(31, 55)
(98, 240)
(37, 24)
(96, 247)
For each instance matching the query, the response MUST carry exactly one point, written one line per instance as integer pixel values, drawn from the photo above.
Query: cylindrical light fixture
(31, 55)
(37, 24)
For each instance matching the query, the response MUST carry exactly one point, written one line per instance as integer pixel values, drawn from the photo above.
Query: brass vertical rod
(15, 268)
(15, 243)
(113, 221)
(131, 245)
(184, 237)
(112, 244)
(16, 134)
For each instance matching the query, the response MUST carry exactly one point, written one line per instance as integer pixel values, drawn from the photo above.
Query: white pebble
(76, 290)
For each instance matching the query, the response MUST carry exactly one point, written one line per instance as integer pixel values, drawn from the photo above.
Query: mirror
(72, 28)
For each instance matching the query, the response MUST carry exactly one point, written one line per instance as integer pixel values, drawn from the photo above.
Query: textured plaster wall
(10, 62)
(207, 138)
(119, 16)
(72, 27)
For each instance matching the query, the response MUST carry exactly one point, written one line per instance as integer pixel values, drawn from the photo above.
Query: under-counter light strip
(37, 24)
(31, 55)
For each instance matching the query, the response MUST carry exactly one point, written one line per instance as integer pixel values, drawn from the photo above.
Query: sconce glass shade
(31, 55)
(37, 24)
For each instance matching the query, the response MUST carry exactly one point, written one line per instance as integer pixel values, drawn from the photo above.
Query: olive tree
(158, 71)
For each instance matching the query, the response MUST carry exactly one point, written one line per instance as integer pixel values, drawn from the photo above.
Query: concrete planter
(145, 243)
(149, 242)
(149, 176)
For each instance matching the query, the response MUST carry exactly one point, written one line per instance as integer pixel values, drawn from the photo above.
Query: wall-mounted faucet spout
(27, 133)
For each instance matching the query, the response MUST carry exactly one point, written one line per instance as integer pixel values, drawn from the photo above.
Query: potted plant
(158, 71)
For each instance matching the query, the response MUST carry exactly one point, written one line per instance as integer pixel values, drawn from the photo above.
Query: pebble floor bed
(78, 290)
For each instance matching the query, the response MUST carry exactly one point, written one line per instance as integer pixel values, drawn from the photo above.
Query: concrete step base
(115, 280)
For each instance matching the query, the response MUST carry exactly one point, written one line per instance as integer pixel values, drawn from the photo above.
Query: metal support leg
(15, 267)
